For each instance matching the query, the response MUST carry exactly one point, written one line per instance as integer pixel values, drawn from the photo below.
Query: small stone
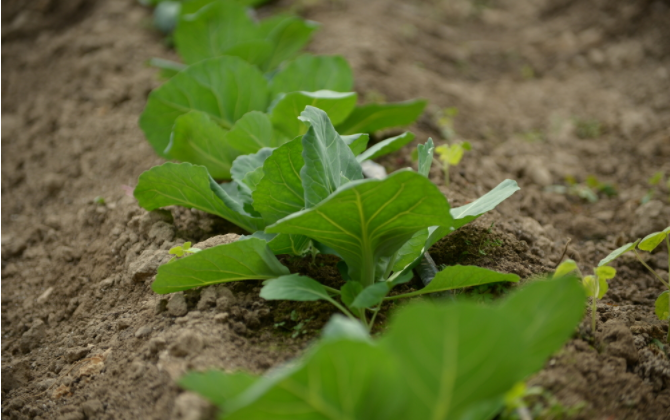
(177, 305)
(122, 324)
(143, 331)
(42, 299)
(161, 306)
(190, 406)
(207, 298)
(78, 353)
(146, 264)
(91, 408)
(187, 342)
(46, 384)
(108, 282)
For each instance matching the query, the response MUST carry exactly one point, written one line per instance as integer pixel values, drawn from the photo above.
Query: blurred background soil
(570, 98)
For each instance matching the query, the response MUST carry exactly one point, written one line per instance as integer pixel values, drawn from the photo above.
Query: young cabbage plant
(454, 362)
(595, 285)
(451, 155)
(222, 108)
(310, 193)
(648, 244)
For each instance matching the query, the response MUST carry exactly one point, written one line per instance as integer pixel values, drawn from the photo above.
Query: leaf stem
(343, 309)
(332, 290)
(650, 269)
(374, 316)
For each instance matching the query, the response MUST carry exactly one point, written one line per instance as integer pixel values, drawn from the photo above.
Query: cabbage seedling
(451, 155)
(182, 250)
(649, 243)
(310, 194)
(595, 285)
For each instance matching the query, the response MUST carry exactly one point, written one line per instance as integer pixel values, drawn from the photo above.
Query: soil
(547, 91)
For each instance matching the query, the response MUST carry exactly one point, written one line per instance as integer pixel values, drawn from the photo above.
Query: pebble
(187, 342)
(143, 331)
(177, 305)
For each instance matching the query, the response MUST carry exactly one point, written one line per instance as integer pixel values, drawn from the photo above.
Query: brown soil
(545, 90)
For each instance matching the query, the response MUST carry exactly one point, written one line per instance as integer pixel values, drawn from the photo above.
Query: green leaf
(247, 259)
(225, 88)
(217, 387)
(280, 192)
(349, 291)
(371, 219)
(294, 287)
(618, 252)
(651, 241)
(547, 312)
(662, 306)
(457, 357)
(469, 212)
(374, 117)
(459, 277)
(285, 244)
(387, 146)
(199, 140)
(411, 250)
(288, 35)
(357, 142)
(251, 133)
(340, 327)
(256, 52)
(425, 154)
(371, 295)
(565, 268)
(311, 73)
(213, 30)
(594, 286)
(605, 273)
(329, 163)
(247, 170)
(288, 107)
(340, 379)
(191, 186)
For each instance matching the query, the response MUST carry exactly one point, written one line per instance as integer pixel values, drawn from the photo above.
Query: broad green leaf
(294, 287)
(411, 250)
(256, 52)
(311, 73)
(343, 379)
(340, 327)
(225, 88)
(387, 146)
(469, 212)
(662, 306)
(618, 252)
(329, 162)
(357, 142)
(284, 244)
(371, 295)
(425, 154)
(192, 6)
(288, 36)
(251, 133)
(248, 259)
(350, 290)
(199, 140)
(459, 277)
(217, 387)
(371, 219)
(459, 357)
(651, 241)
(566, 267)
(247, 170)
(288, 107)
(280, 192)
(547, 313)
(190, 186)
(605, 272)
(212, 30)
(374, 117)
